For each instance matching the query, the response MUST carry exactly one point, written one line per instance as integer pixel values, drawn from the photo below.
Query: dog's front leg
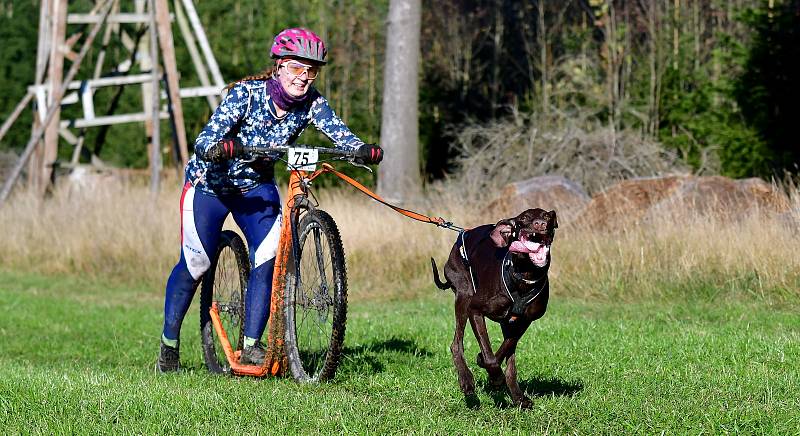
(511, 380)
(508, 350)
(486, 358)
(465, 378)
(505, 349)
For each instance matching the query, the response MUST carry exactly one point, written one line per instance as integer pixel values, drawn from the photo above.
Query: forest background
(709, 86)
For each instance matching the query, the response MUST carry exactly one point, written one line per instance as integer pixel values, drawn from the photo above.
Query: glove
(224, 150)
(369, 154)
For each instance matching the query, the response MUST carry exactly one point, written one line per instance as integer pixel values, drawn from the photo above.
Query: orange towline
(439, 221)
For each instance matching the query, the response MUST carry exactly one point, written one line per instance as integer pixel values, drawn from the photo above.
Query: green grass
(77, 357)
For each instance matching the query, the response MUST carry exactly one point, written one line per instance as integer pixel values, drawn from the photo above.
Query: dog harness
(519, 300)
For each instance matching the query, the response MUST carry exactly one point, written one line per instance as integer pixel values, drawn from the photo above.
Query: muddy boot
(253, 355)
(168, 359)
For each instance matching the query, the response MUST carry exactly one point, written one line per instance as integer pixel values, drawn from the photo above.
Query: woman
(271, 109)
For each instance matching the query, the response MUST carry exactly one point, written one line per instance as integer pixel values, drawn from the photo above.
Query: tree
(399, 175)
(767, 90)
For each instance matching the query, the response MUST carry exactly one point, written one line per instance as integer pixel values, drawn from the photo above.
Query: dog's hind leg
(486, 358)
(465, 378)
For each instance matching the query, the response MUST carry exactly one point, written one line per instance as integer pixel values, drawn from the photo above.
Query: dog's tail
(443, 286)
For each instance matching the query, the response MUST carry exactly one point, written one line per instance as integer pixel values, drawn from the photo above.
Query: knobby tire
(225, 282)
(315, 308)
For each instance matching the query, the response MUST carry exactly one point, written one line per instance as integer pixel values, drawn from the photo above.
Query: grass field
(77, 357)
(679, 326)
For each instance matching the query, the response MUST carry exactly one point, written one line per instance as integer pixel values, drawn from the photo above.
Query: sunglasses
(297, 69)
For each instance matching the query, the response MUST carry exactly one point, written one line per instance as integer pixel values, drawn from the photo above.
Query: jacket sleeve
(326, 121)
(228, 113)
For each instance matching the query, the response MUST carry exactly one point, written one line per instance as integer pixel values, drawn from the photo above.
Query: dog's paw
(523, 403)
(472, 401)
(467, 383)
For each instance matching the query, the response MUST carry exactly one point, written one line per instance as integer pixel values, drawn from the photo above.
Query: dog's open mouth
(536, 252)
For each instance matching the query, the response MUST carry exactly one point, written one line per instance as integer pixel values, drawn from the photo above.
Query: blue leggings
(257, 212)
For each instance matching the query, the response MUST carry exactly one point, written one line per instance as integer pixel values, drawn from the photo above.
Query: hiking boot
(253, 355)
(168, 359)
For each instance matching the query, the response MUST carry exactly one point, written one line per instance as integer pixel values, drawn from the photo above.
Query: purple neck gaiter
(283, 99)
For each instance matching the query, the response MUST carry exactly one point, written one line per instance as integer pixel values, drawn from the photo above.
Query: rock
(557, 193)
(721, 197)
(678, 197)
(627, 201)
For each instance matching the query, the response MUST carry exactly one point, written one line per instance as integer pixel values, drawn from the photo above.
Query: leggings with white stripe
(258, 213)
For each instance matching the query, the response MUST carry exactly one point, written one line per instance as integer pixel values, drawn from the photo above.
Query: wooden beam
(67, 47)
(171, 71)
(155, 148)
(15, 113)
(126, 40)
(68, 136)
(191, 45)
(109, 120)
(42, 55)
(122, 18)
(76, 152)
(101, 57)
(87, 102)
(103, 82)
(55, 74)
(39, 131)
(191, 12)
(201, 91)
(43, 47)
(145, 52)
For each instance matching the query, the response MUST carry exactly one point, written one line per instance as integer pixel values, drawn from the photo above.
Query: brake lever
(360, 165)
(254, 155)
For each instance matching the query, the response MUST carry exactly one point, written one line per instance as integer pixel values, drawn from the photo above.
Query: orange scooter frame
(275, 362)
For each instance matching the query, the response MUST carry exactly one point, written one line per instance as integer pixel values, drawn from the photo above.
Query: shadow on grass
(550, 387)
(536, 387)
(367, 357)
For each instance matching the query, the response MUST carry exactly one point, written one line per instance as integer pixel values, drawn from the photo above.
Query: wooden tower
(153, 52)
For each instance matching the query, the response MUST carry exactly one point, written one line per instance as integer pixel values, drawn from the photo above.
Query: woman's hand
(224, 150)
(369, 154)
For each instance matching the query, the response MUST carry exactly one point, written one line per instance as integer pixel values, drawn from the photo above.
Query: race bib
(302, 159)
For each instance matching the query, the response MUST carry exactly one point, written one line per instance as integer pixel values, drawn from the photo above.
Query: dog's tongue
(537, 252)
(524, 247)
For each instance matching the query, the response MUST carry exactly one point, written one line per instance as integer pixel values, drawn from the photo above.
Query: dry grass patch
(121, 233)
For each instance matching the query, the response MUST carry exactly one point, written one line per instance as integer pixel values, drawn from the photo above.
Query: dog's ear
(553, 216)
(501, 234)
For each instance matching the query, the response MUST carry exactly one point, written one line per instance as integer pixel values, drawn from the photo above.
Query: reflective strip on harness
(462, 250)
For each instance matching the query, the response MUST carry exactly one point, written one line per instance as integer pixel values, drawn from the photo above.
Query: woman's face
(296, 77)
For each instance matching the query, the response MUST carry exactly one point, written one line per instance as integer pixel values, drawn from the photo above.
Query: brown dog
(500, 272)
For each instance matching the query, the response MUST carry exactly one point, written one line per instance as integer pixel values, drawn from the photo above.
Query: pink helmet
(299, 42)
